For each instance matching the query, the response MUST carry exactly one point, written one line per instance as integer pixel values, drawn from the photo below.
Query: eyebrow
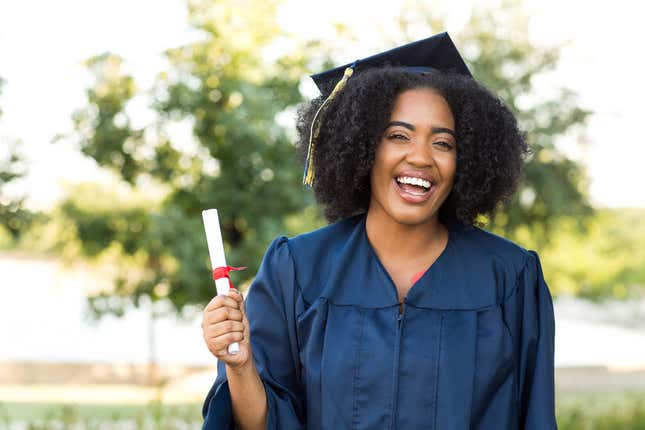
(435, 130)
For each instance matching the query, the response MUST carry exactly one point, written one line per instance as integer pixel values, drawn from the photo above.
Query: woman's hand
(224, 323)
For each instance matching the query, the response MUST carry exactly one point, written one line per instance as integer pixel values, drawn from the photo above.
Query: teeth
(414, 181)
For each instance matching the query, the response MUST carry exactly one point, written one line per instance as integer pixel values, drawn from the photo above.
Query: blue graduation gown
(472, 349)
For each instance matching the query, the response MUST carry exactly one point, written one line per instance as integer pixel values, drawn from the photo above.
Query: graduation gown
(472, 348)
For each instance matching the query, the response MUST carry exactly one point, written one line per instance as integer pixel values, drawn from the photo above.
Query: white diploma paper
(216, 252)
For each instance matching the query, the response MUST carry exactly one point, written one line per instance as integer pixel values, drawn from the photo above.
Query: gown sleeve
(271, 310)
(536, 349)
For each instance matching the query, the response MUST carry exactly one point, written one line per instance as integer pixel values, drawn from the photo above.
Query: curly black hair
(490, 155)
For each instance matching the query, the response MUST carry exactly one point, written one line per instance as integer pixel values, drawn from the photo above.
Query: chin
(393, 208)
(413, 216)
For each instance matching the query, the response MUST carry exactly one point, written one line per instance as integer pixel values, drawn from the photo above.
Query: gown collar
(360, 279)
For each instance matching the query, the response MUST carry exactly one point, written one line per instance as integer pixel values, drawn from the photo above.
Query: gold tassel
(308, 177)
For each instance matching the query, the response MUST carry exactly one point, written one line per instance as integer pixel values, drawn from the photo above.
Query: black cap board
(436, 52)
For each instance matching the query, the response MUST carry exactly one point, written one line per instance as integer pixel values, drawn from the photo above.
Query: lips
(413, 194)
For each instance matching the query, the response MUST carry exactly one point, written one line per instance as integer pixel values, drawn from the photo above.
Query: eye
(444, 144)
(398, 136)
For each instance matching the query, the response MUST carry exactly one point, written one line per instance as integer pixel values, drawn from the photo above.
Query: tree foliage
(607, 261)
(229, 87)
(238, 160)
(14, 218)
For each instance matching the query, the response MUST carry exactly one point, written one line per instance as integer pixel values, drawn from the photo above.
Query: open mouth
(414, 186)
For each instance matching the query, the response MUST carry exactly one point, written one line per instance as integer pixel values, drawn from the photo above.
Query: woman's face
(415, 160)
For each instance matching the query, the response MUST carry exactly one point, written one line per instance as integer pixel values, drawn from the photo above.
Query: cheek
(449, 165)
(378, 178)
(381, 173)
(380, 169)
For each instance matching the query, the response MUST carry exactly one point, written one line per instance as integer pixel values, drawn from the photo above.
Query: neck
(391, 238)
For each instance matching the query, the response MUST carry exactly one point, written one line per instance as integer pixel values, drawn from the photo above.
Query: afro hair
(490, 155)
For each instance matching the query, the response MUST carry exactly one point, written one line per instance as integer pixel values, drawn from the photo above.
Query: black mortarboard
(434, 53)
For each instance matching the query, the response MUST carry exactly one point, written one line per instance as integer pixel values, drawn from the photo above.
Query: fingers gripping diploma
(224, 322)
(218, 259)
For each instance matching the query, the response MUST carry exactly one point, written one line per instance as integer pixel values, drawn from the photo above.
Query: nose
(419, 153)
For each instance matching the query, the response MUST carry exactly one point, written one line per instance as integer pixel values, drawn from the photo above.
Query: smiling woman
(415, 160)
(402, 313)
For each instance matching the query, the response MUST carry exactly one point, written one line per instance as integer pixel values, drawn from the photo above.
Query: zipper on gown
(397, 351)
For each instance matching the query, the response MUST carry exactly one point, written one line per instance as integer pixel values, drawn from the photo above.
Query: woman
(402, 313)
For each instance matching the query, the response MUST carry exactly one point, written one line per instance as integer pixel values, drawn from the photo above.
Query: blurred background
(120, 121)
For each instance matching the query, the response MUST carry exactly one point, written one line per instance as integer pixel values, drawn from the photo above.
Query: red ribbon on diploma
(222, 272)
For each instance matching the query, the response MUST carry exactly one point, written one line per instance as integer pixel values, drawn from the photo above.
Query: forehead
(422, 106)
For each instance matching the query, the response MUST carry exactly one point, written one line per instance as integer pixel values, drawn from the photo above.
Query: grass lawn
(38, 411)
(607, 410)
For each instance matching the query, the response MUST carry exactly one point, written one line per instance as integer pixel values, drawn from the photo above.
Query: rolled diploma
(216, 252)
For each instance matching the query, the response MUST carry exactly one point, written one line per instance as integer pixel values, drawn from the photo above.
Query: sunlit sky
(43, 43)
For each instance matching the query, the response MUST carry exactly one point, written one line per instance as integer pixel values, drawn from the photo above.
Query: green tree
(14, 218)
(229, 87)
(607, 261)
(239, 160)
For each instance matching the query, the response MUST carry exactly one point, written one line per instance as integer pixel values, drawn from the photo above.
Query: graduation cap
(434, 53)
